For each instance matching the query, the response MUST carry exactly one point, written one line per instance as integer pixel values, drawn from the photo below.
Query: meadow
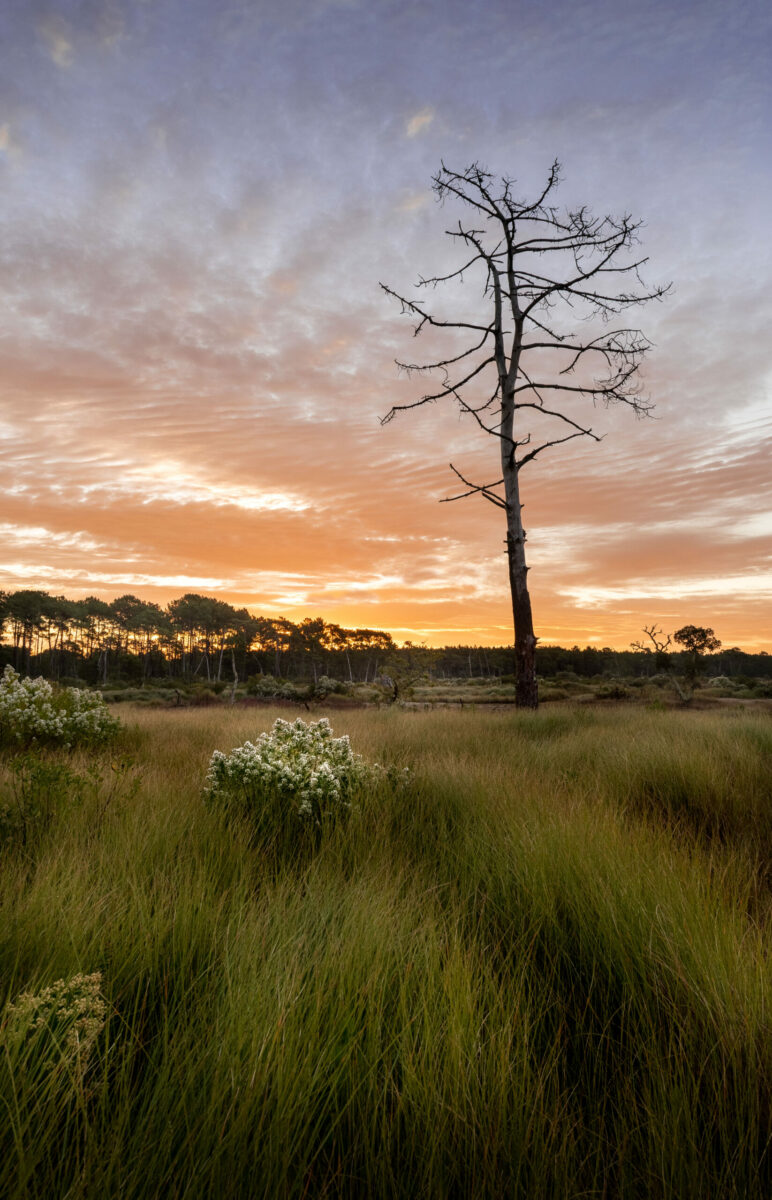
(540, 969)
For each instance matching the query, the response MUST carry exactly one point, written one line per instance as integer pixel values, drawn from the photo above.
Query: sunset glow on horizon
(199, 201)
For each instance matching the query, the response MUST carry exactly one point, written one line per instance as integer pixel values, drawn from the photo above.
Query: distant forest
(200, 638)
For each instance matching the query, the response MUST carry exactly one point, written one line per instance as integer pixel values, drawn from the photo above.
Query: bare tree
(661, 643)
(519, 371)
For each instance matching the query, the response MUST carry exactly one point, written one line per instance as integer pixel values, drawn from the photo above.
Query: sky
(198, 201)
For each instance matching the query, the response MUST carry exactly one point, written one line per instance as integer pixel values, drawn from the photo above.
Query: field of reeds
(539, 970)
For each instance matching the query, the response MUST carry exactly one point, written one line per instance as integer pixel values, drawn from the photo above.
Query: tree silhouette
(696, 641)
(551, 283)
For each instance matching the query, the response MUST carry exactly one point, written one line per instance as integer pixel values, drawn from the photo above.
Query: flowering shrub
(297, 769)
(31, 710)
(59, 1025)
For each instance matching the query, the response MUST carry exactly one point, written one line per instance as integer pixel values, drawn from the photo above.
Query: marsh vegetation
(539, 969)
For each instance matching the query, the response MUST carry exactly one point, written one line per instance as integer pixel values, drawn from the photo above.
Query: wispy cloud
(57, 40)
(9, 146)
(419, 121)
(739, 586)
(39, 535)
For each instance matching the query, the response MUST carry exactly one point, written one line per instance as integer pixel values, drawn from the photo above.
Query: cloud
(27, 535)
(172, 482)
(414, 202)
(9, 146)
(740, 586)
(57, 40)
(419, 121)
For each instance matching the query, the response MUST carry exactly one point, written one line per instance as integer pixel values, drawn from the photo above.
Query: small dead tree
(662, 660)
(661, 646)
(538, 267)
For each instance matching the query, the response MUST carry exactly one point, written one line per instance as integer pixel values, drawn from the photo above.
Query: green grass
(542, 970)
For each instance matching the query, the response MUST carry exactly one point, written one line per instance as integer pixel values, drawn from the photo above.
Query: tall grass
(540, 971)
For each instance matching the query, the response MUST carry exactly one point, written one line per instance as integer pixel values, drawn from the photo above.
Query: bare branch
(432, 397)
(474, 489)
(556, 442)
(612, 389)
(553, 180)
(450, 181)
(560, 416)
(451, 389)
(655, 637)
(493, 430)
(444, 362)
(427, 318)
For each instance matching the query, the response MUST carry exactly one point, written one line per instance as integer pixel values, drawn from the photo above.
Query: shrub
(32, 710)
(282, 689)
(55, 1029)
(366, 693)
(34, 790)
(612, 691)
(325, 686)
(298, 771)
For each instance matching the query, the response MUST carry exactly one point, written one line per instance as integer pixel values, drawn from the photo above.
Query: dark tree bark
(535, 264)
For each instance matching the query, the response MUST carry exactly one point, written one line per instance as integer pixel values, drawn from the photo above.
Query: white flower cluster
(70, 1014)
(297, 763)
(32, 710)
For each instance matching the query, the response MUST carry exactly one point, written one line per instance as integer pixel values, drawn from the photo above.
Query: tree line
(193, 637)
(201, 638)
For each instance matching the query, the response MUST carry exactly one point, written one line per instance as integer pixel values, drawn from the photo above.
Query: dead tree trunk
(527, 688)
(538, 268)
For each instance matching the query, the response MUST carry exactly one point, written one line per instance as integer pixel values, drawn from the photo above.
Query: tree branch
(556, 442)
(474, 488)
(427, 318)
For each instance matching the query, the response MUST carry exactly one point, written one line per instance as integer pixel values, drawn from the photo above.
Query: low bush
(29, 795)
(552, 693)
(325, 686)
(612, 691)
(279, 689)
(367, 693)
(35, 788)
(298, 774)
(34, 711)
